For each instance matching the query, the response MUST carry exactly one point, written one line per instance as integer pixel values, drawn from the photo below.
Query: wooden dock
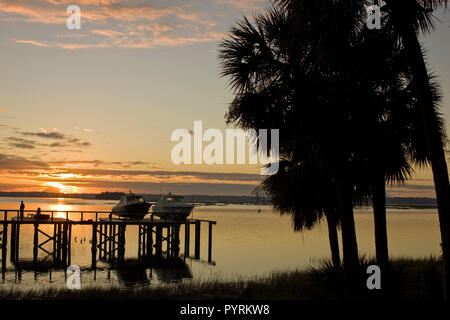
(156, 237)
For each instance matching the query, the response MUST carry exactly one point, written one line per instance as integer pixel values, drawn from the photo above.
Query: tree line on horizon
(357, 110)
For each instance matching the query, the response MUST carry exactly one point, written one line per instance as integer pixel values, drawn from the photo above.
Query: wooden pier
(156, 237)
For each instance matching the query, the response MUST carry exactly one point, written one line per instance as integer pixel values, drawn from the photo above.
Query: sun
(63, 188)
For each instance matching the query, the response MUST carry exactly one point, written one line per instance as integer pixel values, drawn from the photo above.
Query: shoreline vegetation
(408, 279)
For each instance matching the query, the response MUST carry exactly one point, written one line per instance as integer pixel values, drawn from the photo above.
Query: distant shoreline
(391, 203)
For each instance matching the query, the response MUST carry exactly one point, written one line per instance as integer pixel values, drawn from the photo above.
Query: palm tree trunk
(434, 143)
(333, 238)
(349, 243)
(379, 213)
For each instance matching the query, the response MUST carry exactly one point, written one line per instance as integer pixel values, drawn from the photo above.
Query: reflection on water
(245, 244)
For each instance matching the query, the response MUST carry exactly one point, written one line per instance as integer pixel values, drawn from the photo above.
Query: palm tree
(407, 19)
(404, 19)
(276, 89)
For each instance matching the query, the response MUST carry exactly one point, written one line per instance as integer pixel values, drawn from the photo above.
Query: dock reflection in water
(130, 273)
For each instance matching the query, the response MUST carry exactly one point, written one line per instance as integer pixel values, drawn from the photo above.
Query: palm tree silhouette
(331, 23)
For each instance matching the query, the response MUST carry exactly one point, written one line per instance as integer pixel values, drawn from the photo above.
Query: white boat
(172, 207)
(131, 206)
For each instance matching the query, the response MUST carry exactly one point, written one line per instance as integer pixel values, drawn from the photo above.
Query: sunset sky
(93, 110)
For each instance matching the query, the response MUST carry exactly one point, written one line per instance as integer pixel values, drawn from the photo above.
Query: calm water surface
(246, 244)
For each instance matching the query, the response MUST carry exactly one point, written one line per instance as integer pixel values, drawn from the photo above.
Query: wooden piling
(139, 240)
(187, 230)
(149, 239)
(35, 242)
(210, 242)
(58, 243)
(69, 248)
(144, 238)
(54, 242)
(4, 244)
(176, 241)
(105, 240)
(64, 243)
(110, 242)
(16, 253)
(100, 237)
(197, 240)
(13, 241)
(168, 241)
(94, 245)
(158, 241)
(114, 242)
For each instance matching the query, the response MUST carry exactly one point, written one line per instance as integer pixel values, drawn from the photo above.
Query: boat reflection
(165, 270)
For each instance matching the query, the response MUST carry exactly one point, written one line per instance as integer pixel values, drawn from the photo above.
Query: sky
(93, 110)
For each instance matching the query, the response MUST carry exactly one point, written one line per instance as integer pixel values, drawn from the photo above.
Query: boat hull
(172, 213)
(134, 211)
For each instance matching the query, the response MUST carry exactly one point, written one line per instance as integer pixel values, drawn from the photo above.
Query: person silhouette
(38, 213)
(22, 208)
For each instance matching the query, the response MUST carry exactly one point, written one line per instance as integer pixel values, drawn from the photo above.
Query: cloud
(45, 134)
(33, 42)
(180, 175)
(12, 162)
(62, 140)
(120, 23)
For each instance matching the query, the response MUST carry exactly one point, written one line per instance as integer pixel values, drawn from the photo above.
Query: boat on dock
(131, 206)
(172, 207)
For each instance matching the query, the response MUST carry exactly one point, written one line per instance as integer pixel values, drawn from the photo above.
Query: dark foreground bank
(408, 279)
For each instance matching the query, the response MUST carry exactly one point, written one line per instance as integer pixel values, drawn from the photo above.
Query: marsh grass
(408, 279)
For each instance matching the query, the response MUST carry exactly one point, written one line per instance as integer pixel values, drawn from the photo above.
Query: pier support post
(197, 239)
(158, 242)
(100, 241)
(114, 242)
(64, 243)
(105, 239)
(139, 240)
(176, 240)
(168, 239)
(4, 244)
(149, 240)
(13, 241)
(210, 242)
(58, 243)
(94, 245)
(121, 251)
(35, 242)
(69, 247)
(110, 242)
(187, 230)
(16, 253)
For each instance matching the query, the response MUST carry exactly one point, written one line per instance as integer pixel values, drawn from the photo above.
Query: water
(246, 244)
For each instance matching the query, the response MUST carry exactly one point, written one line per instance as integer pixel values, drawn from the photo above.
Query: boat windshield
(174, 198)
(135, 198)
